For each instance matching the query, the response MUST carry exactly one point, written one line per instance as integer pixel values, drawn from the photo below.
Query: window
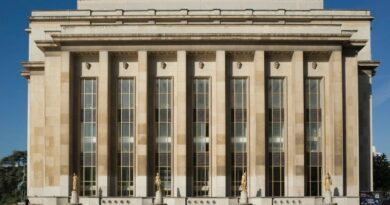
(313, 137)
(239, 132)
(88, 137)
(125, 133)
(201, 136)
(163, 119)
(275, 133)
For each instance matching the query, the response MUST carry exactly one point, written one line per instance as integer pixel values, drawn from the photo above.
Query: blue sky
(13, 50)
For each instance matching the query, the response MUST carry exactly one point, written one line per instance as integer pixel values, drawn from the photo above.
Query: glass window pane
(132, 98)
(125, 101)
(88, 86)
(164, 129)
(125, 86)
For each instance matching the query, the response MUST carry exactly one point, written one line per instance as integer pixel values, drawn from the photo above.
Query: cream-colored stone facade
(194, 42)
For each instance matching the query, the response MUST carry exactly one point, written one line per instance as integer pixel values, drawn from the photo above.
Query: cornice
(369, 65)
(59, 40)
(180, 18)
(185, 14)
(30, 67)
(64, 38)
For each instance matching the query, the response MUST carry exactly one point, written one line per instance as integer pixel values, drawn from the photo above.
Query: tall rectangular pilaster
(296, 142)
(51, 132)
(141, 127)
(103, 125)
(36, 130)
(351, 123)
(219, 124)
(336, 72)
(65, 125)
(181, 120)
(257, 126)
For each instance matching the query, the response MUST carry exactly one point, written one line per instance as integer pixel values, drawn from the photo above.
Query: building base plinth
(243, 198)
(158, 200)
(195, 201)
(74, 199)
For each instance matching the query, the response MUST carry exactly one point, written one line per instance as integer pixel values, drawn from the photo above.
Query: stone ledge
(210, 13)
(369, 66)
(30, 67)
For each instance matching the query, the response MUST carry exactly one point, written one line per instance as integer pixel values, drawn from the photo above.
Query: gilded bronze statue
(244, 182)
(328, 182)
(74, 184)
(157, 182)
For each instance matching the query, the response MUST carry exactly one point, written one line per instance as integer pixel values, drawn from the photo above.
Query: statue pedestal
(158, 200)
(328, 198)
(74, 198)
(243, 198)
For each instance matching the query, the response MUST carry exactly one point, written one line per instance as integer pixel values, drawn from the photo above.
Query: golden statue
(244, 182)
(328, 182)
(74, 182)
(157, 182)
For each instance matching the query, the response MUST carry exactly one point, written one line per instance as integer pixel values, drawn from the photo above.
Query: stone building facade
(199, 92)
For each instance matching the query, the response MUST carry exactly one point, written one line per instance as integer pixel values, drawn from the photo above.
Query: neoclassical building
(199, 91)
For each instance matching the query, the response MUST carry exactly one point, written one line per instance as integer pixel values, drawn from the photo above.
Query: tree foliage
(13, 177)
(381, 173)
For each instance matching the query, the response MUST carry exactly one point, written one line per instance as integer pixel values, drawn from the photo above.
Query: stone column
(103, 125)
(295, 159)
(141, 128)
(257, 128)
(65, 125)
(336, 74)
(179, 179)
(218, 176)
(351, 123)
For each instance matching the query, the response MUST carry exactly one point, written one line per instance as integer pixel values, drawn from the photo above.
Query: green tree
(381, 173)
(13, 177)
